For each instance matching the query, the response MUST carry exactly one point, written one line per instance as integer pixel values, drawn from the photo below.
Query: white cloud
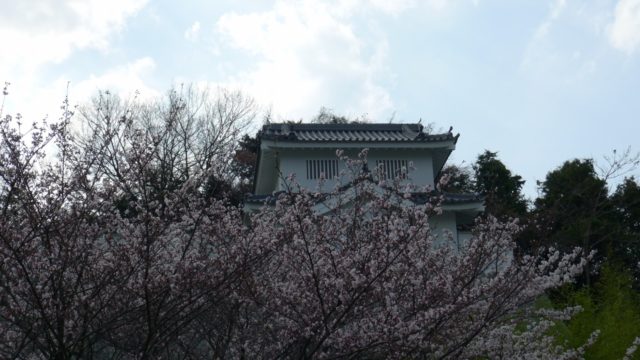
(624, 31)
(555, 10)
(539, 54)
(309, 56)
(125, 80)
(36, 32)
(192, 33)
(36, 102)
(551, 57)
(398, 6)
(390, 7)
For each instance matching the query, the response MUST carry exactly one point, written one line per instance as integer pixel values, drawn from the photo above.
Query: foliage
(82, 278)
(327, 116)
(373, 280)
(245, 161)
(459, 179)
(174, 273)
(488, 176)
(569, 183)
(575, 209)
(612, 307)
(501, 188)
(569, 212)
(626, 201)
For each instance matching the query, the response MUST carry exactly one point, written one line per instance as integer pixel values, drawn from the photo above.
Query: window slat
(316, 168)
(392, 168)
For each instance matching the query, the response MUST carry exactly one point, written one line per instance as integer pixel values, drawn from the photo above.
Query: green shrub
(612, 306)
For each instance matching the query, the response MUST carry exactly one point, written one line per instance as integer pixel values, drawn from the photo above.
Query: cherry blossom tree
(357, 273)
(372, 279)
(185, 134)
(80, 277)
(51, 294)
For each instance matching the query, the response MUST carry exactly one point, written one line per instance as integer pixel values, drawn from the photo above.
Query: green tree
(626, 199)
(502, 189)
(328, 116)
(575, 209)
(610, 306)
(626, 203)
(460, 179)
(243, 168)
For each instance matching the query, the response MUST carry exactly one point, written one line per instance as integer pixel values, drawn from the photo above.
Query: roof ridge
(309, 132)
(367, 126)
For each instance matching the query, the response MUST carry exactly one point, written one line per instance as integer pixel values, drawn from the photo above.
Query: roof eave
(284, 144)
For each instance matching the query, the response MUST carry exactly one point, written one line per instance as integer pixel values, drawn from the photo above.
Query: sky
(539, 82)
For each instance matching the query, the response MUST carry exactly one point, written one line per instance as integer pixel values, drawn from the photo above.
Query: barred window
(325, 168)
(392, 168)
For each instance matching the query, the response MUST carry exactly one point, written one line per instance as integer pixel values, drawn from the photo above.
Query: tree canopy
(501, 188)
(178, 273)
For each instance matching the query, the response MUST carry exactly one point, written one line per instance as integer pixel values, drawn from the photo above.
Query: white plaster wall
(294, 162)
(421, 175)
(464, 237)
(442, 224)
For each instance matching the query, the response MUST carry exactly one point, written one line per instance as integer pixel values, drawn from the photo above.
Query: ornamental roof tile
(417, 198)
(352, 133)
(448, 198)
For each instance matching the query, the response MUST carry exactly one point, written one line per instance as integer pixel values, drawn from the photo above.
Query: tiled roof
(449, 198)
(418, 198)
(351, 133)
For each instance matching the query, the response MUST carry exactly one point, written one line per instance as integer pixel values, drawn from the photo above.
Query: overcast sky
(537, 81)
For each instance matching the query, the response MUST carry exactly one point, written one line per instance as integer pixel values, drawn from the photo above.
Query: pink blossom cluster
(97, 260)
(371, 279)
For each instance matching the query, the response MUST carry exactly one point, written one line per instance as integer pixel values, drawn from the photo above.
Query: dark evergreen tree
(460, 179)
(244, 163)
(502, 189)
(626, 201)
(574, 210)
